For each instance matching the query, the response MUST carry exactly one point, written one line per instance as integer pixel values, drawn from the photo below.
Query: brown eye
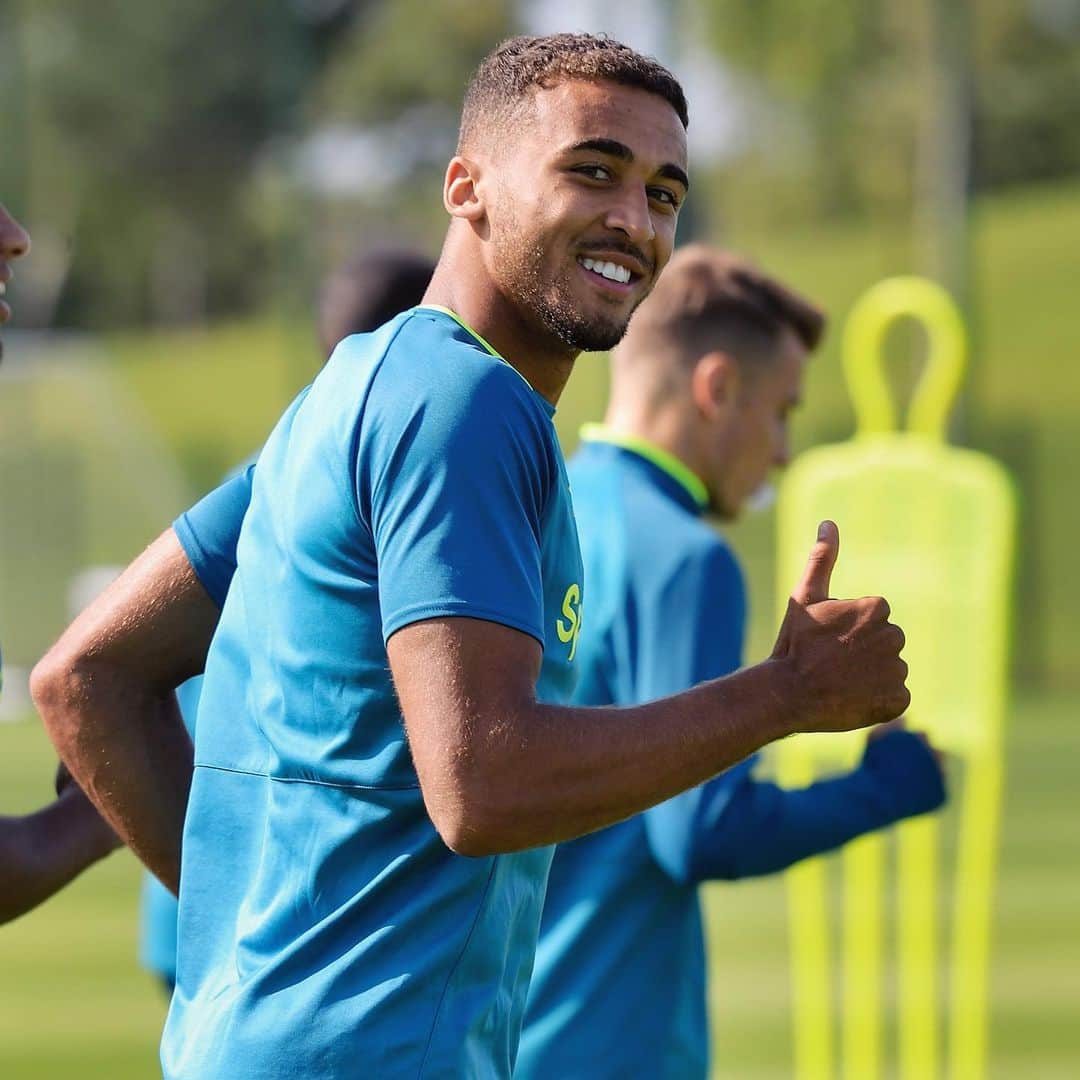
(594, 172)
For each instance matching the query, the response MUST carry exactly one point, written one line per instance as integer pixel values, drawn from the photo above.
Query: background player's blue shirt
(325, 929)
(618, 987)
(208, 533)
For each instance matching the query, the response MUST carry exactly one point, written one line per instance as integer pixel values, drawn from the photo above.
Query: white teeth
(607, 269)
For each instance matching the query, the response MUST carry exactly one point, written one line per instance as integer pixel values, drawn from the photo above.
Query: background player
(370, 289)
(702, 385)
(410, 512)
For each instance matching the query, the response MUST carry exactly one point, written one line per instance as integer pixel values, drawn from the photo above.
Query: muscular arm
(105, 693)
(502, 772)
(42, 852)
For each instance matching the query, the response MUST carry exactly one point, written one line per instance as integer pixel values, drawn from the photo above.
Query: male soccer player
(368, 290)
(702, 386)
(43, 851)
(352, 901)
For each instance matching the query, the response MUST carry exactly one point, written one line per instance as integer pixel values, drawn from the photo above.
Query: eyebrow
(614, 148)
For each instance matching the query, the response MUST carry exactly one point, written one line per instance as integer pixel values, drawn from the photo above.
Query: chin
(585, 331)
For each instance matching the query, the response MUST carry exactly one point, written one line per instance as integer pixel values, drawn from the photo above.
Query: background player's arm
(500, 771)
(734, 825)
(41, 852)
(105, 693)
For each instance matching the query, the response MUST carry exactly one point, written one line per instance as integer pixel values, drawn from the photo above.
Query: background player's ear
(461, 189)
(713, 384)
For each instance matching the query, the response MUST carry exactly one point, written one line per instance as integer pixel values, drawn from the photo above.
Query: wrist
(782, 689)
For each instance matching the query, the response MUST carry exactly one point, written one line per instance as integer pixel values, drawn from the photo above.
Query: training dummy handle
(863, 349)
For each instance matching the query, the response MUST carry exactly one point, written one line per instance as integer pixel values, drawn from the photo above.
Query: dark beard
(565, 322)
(551, 304)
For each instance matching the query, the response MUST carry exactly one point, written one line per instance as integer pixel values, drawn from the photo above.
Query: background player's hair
(708, 299)
(506, 77)
(370, 289)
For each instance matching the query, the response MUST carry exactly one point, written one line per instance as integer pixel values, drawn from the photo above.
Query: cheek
(761, 445)
(664, 243)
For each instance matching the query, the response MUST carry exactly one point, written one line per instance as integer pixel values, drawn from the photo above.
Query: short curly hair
(519, 65)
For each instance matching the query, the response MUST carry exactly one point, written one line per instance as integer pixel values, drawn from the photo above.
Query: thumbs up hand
(844, 655)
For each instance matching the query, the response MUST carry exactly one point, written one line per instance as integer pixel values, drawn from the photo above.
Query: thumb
(814, 586)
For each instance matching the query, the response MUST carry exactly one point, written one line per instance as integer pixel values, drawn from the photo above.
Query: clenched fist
(844, 655)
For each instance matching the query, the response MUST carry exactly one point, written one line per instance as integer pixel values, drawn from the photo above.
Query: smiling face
(581, 207)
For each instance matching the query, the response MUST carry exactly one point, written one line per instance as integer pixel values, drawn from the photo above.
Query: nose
(14, 239)
(631, 215)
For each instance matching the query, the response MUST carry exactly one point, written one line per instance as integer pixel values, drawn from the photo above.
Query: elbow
(56, 682)
(467, 837)
(476, 819)
(695, 856)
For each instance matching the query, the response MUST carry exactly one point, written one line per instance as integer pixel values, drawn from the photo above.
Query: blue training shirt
(208, 533)
(618, 987)
(325, 929)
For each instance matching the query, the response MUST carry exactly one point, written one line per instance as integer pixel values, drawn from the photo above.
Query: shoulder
(434, 378)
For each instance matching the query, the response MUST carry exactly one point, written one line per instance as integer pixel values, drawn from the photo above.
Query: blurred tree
(409, 53)
(144, 121)
(836, 67)
(1027, 114)
(860, 78)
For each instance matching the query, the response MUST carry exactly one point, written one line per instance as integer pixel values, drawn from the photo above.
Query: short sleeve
(454, 484)
(209, 530)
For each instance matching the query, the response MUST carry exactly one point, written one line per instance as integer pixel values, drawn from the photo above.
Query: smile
(608, 270)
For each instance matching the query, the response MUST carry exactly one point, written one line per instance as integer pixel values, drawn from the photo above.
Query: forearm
(127, 747)
(42, 852)
(761, 828)
(767, 828)
(554, 773)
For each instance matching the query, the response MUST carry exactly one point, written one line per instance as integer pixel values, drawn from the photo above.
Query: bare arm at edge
(43, 851)
(105, 693)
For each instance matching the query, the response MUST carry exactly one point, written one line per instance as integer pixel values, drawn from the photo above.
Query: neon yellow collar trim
(666, 462)
(464, 326)
(483, 341)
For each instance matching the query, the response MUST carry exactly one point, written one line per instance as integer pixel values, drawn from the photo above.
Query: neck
(462, 284)
(664, 429)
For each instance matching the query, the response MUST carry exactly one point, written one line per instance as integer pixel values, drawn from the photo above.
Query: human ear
(461, 189)
(714, 384)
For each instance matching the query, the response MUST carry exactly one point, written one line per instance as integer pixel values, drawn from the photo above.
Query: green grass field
(74, 1003)
(167, 413)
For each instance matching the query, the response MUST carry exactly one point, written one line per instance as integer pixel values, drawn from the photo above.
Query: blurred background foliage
(152, 131)
(188, 163)
(190, 170)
